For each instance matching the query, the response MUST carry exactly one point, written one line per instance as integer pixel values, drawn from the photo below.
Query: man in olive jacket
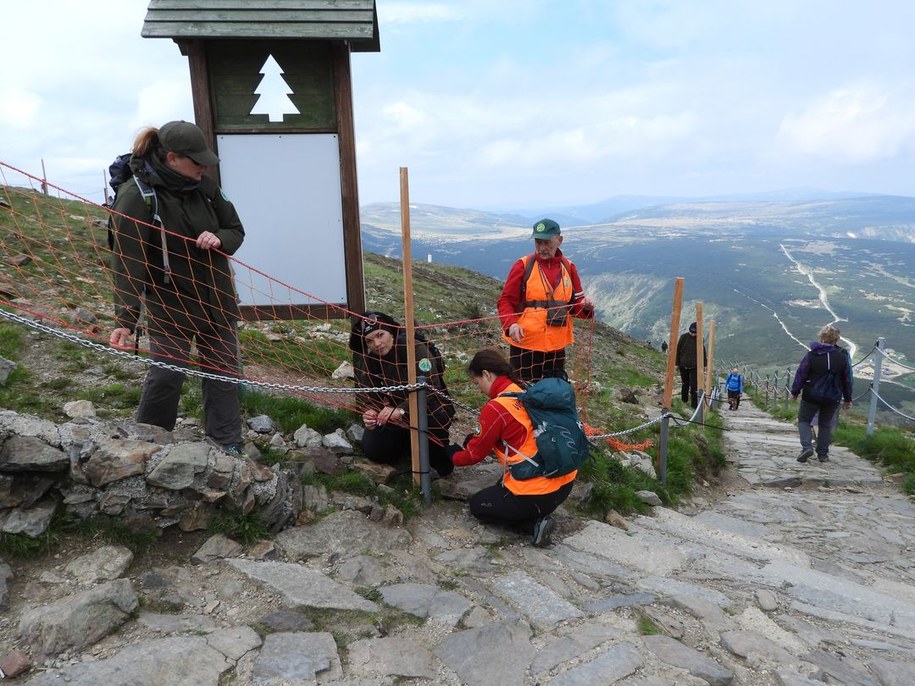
(173, 230)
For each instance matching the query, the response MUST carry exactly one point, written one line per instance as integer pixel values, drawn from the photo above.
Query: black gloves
(467, 439)
(453, 449)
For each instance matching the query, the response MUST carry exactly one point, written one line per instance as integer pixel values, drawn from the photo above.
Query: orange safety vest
(508, 455)
(539, 297)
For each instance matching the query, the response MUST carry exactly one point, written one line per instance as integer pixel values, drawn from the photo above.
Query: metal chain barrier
(890, 407)
(895, 361)
(100, 347)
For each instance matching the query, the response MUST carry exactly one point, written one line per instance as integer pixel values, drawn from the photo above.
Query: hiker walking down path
(823, 379)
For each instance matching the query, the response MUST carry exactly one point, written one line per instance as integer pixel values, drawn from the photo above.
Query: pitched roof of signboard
(355, 21)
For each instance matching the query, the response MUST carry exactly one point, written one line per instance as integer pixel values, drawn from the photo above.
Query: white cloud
(417, 12)
(18, 107)
(856, 124)
(492, 101)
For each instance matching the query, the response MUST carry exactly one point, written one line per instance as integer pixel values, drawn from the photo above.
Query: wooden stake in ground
(711, 359)
(672, 342)
(408, 316)
(700, 350)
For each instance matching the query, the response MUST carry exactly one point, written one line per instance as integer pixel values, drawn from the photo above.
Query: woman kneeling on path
(506, 429)
(379, 346)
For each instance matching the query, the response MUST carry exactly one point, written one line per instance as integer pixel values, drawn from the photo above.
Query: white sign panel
(286, 188)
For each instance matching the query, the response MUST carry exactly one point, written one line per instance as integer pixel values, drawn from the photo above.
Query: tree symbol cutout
(273, 93)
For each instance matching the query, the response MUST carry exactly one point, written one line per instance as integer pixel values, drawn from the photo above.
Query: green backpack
(562, 446)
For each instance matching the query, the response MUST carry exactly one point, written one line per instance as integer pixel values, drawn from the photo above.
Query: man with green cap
(540, 296)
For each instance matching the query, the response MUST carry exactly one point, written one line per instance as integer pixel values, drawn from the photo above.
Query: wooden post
(700, 362)
(44, 179)
(710, 371)
(661, 467)
(700, 344)
(408, 316)
(672, 342)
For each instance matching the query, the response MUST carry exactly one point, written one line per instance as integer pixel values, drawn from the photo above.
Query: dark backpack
(119, 172)
(562, 446)
(825, 390)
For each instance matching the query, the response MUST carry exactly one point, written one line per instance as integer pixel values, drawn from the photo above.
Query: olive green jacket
(198, 290)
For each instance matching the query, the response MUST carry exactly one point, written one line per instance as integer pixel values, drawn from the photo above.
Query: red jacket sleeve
(509, 303)
(496, 424)
(578, 293)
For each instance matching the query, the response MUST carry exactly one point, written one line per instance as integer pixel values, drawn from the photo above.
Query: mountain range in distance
(769, 269)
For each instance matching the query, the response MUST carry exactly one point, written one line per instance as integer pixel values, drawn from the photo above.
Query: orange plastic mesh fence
(55, 268)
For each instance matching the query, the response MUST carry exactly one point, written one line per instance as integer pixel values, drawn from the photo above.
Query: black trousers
(217, 352)
(390, 444)
(688, 390)
(533, 365)
(734, 399)
(498, 505)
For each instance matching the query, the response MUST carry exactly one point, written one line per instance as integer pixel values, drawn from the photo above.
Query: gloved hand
(467, 439)
(453, 449)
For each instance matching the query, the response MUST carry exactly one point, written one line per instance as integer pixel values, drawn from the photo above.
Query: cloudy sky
(521, 103)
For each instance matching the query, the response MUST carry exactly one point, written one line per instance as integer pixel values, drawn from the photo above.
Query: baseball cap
(545, 228)
(186, 139)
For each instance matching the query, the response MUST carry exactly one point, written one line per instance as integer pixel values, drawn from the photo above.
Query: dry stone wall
(145, 475)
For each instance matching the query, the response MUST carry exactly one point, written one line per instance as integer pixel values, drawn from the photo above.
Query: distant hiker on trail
(734, 385)
(379, 347)
(687, 362)
(541, 294)
(172, 232)
(505, 428)
(823, 379)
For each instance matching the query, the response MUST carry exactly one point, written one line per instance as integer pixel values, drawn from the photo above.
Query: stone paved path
(803, 575)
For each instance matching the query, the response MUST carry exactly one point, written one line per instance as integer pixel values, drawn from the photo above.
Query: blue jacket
(734, 382)
(814, 365)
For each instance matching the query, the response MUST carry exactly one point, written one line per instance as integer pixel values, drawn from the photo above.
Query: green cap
(545, 229)
(186, 139)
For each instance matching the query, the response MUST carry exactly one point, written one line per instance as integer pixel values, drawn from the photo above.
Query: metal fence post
(875, 386)
(787, 385)
(425, 481)
(662, 448)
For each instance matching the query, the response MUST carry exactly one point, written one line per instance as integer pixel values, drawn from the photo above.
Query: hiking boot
(823, 458)
(543, 530)
(236, 450)
(806, 453)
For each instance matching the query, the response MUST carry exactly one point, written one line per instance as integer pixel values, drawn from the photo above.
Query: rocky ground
(799, 574)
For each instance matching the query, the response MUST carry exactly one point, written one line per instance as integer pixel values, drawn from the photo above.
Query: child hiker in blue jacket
(734, 386)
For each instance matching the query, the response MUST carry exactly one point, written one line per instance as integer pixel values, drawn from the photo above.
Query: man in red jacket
(541, 294)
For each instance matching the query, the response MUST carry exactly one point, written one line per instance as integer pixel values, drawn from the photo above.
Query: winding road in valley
(823, 297)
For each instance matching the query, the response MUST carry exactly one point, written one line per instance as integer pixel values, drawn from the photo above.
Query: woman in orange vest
(506, 429)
